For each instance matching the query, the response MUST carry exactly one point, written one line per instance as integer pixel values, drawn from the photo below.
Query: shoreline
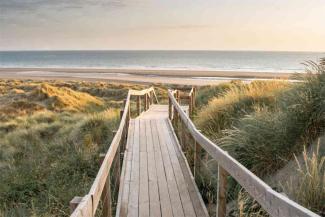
(146, 76)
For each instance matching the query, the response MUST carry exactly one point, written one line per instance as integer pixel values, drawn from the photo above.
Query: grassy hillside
(51, 134)
(234, 101)
(263, 125)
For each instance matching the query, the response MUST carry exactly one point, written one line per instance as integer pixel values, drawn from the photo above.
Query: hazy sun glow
(297, 25)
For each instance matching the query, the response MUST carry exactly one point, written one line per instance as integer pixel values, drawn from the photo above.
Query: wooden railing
(103, 189)
(274, 203)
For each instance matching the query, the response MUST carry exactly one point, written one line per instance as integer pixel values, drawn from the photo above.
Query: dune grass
(265, 140)
(65, 98)
(224, 111)
(263, 125)
(51, 134)
(206, 93)
(307, 187)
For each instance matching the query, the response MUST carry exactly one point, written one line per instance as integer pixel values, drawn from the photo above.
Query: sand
(182, 77)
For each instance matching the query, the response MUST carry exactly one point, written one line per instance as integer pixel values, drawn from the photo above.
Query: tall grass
(247, 206)
(263, 125)
(50, 159)
(49, 155)
(224, 111)
(207, 93)
(307, 187)
(265, 141)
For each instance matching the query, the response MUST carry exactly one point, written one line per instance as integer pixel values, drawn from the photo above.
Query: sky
(282, 25)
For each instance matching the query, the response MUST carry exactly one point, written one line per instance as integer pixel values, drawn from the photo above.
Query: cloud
(173, 27)
(36, 5)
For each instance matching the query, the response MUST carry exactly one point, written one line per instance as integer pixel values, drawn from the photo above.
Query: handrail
(274, 203)
(87, 206)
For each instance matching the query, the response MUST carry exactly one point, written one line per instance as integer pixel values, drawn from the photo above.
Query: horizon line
(222, 50)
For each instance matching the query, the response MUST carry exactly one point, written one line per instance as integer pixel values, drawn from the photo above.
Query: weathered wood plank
(144, 185)
(196, 198)
(133, 205)
(154, 202)
(181, 184)
(126, 184)
(165, 201)
(171, 180)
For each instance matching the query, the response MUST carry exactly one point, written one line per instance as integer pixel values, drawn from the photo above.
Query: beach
(143, 76)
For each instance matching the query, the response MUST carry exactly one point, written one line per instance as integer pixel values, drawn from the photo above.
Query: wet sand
(182, 77)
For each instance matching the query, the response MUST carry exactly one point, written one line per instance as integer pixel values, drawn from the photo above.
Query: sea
(251, 61)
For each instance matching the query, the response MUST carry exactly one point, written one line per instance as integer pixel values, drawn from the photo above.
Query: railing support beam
(139, 105)
(170, 107)
(146, 102)
(197, 155)
(222, 192)
(106, 194)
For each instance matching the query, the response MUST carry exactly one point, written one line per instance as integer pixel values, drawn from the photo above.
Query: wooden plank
(144, 185)
(171, 180)
(181, 184)
(165, 201)
(126, 184)
(154, 202)
(142, 136)
(133, 204)
(195, 195)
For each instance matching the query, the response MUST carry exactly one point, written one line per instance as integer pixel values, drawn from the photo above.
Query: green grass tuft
(308, 187)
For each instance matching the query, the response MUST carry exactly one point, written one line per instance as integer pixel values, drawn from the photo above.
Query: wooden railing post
(122, 109)
(74, 203)
(170, 107)
(197, 155)
(139, 105)
(182, 135)
(222, 192)
(106, 194)
(194, 96)
(175, 115)
(121, 113)
(190, 104)
(146, 102)
(178, 96)
(150, 98)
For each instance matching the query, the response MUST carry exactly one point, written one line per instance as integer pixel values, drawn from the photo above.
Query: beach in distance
(175, 67)
(183, 77)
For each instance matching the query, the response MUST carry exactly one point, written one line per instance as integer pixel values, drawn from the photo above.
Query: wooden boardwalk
(156, 180)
